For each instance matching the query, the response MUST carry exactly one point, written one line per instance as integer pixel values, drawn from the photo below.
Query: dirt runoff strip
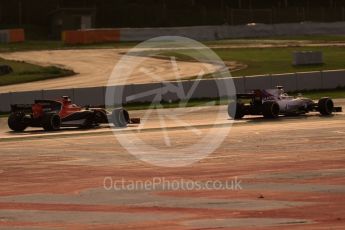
(95, 66)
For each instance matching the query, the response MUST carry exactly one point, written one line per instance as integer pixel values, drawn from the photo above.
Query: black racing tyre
(270, 109)
(325, 106)
(88, 124)
(90, 121)
(51, 122)
(236, 110)
(100, 117)
(16, 122)
(120, 118)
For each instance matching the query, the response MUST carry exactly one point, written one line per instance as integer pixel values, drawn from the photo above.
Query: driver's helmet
(66, 100)
(280, 90)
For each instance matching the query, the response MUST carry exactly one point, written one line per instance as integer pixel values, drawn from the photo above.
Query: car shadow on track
(62, 130)
(282, 118)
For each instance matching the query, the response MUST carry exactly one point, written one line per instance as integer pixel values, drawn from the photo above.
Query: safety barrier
(172, 91)
(90, 36)
(12, 36)
(203, 33)
(307, 58)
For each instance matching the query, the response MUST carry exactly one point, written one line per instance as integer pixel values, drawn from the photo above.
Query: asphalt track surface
(291, 171)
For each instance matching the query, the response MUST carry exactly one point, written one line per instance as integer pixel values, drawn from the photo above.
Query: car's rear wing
(245, 95)
(26, 108)
(47, 105)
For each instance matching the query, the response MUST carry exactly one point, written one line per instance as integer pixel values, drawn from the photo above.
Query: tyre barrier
(92, 36)
(12, 36)
(5, 69)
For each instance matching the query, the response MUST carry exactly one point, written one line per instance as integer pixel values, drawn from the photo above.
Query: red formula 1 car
(52, 115)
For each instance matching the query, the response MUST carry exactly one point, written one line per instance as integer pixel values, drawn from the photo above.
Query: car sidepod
(80, 118)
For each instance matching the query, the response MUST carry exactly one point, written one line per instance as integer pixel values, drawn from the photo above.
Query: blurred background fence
(44, 19)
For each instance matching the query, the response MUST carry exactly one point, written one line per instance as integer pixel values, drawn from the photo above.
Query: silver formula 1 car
(274, 102)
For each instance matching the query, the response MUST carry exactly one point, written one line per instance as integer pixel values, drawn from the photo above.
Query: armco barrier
(257, 82)
(120, 93)
(238, 31)
(239, 83)
(5, 102)
(7, 99)
(210, 88)
(144, 93)
(90, 96)
(229, 86)
(309, 80)
(26, 97)
(174, 91)
(201, 89)
(333, 79)
(58, 93)
(194, 32)
(288, 81)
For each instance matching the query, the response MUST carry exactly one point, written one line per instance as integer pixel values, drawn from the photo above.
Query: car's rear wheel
(120, 118)
(270, 109)
(326, 106)
(236, 110)
(51, 122)
(16, 122)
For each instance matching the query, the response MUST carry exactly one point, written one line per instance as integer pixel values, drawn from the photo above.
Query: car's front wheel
(120, 118)
(326, 106)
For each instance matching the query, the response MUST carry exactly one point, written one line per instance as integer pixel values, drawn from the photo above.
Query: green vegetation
(279, 60)
(24, 72)
(30, 45)
(58, 45)
(269, 60)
